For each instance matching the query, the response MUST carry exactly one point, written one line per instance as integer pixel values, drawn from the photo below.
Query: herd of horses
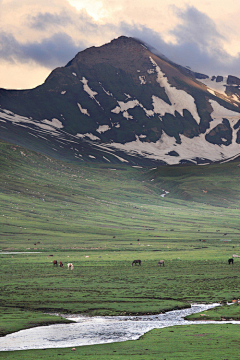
(69, 265)
(135, 262)
(161, 262)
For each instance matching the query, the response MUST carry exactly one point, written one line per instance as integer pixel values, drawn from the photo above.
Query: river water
(98, 330)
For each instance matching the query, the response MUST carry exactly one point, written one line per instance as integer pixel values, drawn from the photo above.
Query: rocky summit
(124, 102)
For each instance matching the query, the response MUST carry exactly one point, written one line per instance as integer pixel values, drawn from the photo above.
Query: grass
(179, 342)
(14, 319)
(226, 312)
(101, 218)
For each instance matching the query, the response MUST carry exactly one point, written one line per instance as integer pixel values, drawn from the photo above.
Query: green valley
(101, 217)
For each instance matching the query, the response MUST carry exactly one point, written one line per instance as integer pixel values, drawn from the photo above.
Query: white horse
(161, 262)
(70, 266)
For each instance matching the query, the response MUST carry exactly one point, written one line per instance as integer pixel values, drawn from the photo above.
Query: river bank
(98, 330)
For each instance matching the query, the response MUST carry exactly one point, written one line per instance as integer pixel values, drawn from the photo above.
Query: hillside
(101, 218)
(43, 197)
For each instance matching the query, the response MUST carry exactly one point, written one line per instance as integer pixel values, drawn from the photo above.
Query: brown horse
(55, 263)
(136, 262)
(61, 264)
(161, 262)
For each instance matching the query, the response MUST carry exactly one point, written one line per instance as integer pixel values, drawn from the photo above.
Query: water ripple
(98, 330)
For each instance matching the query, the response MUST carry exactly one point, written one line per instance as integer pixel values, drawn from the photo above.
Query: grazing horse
(70, 266)
(136, 262)
(55, 263)
(61, 264)
(230, 261)
(161, 262)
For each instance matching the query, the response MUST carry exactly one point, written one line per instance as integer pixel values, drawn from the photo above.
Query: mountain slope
(122, 103)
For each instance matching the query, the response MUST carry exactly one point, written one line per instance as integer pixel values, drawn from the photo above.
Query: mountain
(121, 102)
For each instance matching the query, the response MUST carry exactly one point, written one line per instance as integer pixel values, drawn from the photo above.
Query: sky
(38, 36)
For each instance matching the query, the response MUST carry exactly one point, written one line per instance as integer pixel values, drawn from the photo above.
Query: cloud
(196, 27)
(197, 44)
(80, 21)
(41, 21)
(50, 52)
(196, 40)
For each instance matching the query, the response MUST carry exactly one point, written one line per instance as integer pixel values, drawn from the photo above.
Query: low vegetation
(179, 342)
(101, 218)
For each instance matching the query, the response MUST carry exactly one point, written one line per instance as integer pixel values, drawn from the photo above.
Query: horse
(230, 261)
(161, 262)
(55, 263)
(70, 266)
(136, 262)
(61, 264)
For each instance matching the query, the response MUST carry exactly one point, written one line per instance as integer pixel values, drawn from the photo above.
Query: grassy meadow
(101, 217)
(179, 342)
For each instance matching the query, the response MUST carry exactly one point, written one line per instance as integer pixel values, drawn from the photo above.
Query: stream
(99, 329)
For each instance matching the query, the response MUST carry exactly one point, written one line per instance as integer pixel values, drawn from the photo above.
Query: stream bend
(98, 330)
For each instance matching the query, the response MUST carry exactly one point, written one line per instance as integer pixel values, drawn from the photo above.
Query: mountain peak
(126, 42)
(116, 50)
(121, 102)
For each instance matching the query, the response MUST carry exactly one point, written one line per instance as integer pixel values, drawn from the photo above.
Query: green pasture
(194, 342)
(101, 217)
(229, 311)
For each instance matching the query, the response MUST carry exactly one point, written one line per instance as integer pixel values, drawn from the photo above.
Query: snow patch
(106, 92)
(74, 74)
(89, 135)
(103, 128)
(106, 159)
(120, 158)
(219, 113)
(83, 111)
(55, 122)
(127, 116)
(110, 152)
(179, 99)
(142, 80)
(189, 149)
(220, 86)
(211, 91)
(23, 121)
(235, 98)
(88, 90)
(124, 106)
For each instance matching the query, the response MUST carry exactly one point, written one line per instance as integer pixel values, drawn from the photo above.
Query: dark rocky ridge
(122, 93)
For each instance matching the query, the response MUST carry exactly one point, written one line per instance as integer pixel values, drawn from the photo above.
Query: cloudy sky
(38, 36)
